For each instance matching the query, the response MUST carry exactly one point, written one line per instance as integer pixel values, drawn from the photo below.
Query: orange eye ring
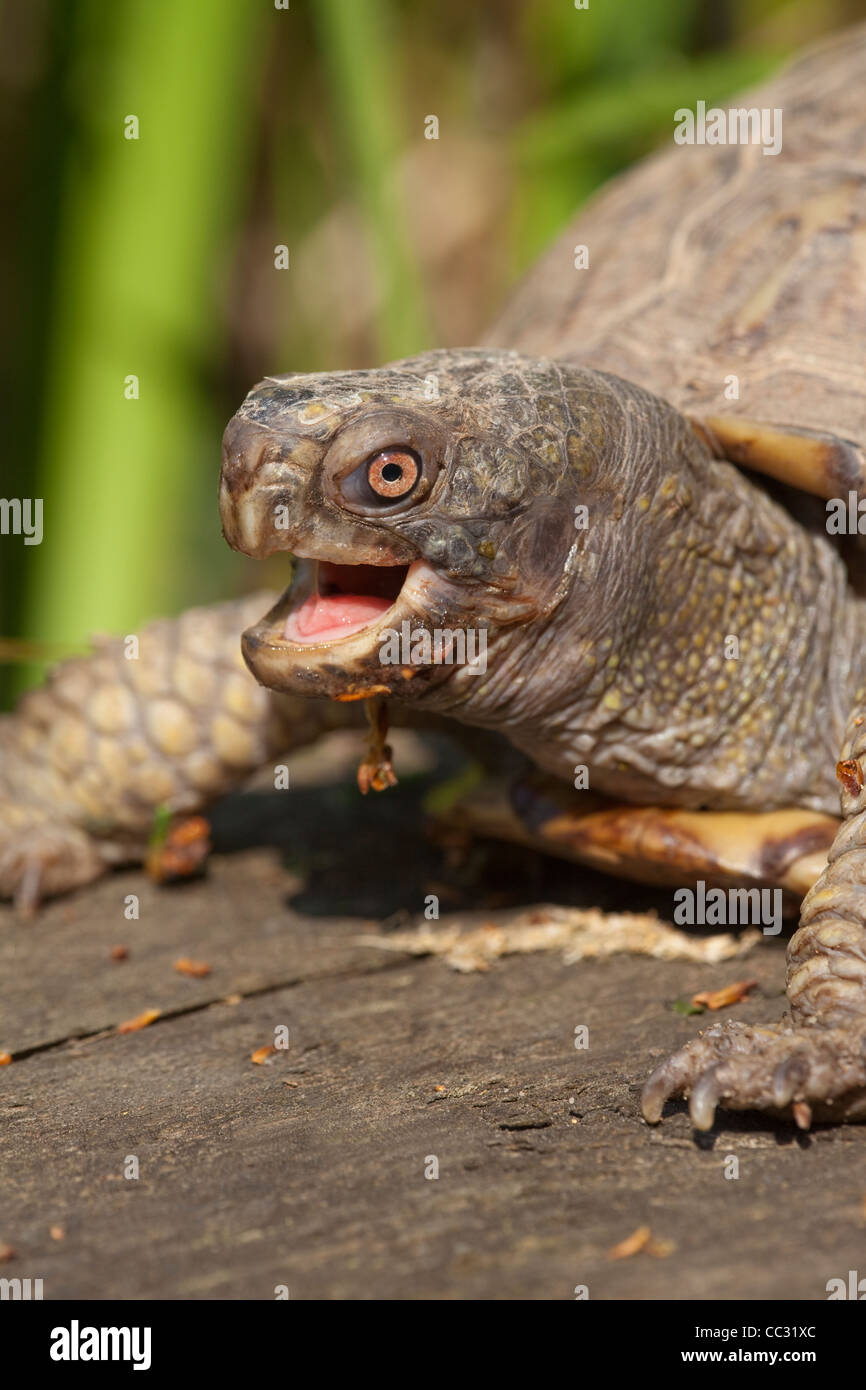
(392, 473)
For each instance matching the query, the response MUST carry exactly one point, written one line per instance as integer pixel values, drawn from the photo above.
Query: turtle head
(423, 497)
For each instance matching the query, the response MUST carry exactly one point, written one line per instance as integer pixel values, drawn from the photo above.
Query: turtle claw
(671, 1078)
(788, 1076)
(704, 1098)
(791, 1073)
(44, 858)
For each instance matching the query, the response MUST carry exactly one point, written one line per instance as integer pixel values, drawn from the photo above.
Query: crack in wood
(187, 1010)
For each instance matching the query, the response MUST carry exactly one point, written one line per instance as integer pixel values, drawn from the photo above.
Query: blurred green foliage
(305, 127)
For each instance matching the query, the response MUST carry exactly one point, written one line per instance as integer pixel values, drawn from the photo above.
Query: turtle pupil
(390, 475)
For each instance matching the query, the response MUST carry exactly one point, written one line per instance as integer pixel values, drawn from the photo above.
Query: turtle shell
(732, 283)
(708, 262)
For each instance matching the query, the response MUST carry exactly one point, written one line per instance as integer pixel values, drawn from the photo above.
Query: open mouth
(333, 631)
(344, 600)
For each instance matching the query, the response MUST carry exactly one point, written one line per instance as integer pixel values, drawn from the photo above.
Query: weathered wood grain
(309, 1170)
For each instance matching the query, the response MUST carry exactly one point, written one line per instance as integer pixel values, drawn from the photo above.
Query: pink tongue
(325, 619)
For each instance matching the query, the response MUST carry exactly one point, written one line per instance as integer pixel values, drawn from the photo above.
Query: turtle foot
(791, 1073)
(40, 859)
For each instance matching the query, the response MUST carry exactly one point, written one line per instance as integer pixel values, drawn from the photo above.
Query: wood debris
(142, 1020)
(196, 968)
(631, 1245)
(641, 1240)
(580, 933)
(178, 849)
(722, 998)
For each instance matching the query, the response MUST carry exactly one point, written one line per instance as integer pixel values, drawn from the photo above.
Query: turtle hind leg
(654, 844)
(812, 1064)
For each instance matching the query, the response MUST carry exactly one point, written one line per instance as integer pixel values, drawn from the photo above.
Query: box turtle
(628, 494)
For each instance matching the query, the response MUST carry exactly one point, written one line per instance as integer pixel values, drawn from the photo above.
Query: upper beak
(263, 486)
(271, 499)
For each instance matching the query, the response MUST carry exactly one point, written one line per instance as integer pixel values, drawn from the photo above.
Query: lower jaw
(348, 665)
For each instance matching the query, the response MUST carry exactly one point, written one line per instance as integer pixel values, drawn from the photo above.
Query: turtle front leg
(789, 1071)
(812, 1064)
(170, 719)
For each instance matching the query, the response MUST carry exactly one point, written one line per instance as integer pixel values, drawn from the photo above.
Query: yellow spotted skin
(172, 718)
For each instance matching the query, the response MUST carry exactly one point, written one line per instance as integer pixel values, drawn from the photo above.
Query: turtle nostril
(244, 450)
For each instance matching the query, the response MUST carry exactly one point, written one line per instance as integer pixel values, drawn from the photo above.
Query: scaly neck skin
(708, 651)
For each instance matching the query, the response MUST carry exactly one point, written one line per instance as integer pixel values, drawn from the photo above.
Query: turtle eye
(379, 468)
(393, 473)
